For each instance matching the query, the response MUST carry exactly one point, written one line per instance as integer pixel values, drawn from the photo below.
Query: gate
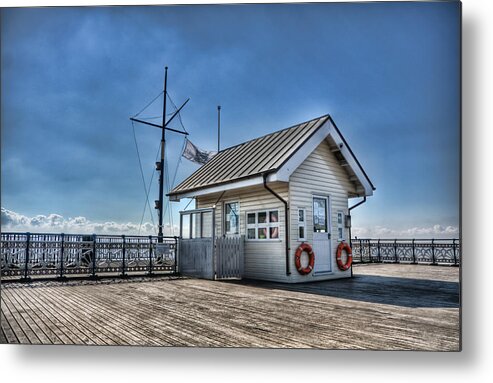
(229, 255)
(202, 254)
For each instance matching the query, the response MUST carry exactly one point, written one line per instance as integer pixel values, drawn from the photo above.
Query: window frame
(302, 224)
(340, 225)
(268, 225)
(328, 222)
(224, 218)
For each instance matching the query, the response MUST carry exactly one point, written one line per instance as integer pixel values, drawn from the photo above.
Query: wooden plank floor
(389, 307)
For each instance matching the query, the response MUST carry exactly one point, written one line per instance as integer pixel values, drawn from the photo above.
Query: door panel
(321, 234)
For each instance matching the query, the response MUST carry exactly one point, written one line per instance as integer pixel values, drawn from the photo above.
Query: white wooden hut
(280, 191)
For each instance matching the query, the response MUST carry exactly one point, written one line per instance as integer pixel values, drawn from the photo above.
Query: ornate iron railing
(24, 255)
(430, 251)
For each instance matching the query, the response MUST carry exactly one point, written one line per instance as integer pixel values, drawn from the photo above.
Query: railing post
(44, 251)
(191, 226)
(26, 258)
(201, 223)
(150, 255)
(94, 256)
(361, 249)
(176, 255)
(433, 252)
(414, 252)
(62, 252)
(395, 251)
(369, 251)
(455, 255)
(123, 257)
(181, 225)
(378, 251)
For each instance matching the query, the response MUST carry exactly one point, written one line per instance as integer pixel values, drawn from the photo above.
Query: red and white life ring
(311, 258)
(344, 246)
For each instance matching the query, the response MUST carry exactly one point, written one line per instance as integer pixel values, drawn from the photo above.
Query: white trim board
(258, 180)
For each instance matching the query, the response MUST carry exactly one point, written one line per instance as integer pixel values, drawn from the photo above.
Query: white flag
(194, 154)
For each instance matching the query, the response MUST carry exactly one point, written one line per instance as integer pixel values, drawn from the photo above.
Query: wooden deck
(389, 307)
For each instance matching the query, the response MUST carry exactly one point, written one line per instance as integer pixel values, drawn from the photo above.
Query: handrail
(24, 255)
(82, 234)
(432, 251)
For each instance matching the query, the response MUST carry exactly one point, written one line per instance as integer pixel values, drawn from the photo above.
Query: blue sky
(71, 77)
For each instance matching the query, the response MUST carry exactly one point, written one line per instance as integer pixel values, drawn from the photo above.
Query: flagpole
(218, 127)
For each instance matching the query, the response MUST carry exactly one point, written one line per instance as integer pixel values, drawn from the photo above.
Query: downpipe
(286, 220)
(350, 236)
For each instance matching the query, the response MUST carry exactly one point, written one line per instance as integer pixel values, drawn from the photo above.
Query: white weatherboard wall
(264, 259)
(319, 174)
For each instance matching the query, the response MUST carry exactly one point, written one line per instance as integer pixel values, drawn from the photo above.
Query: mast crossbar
(158, 126)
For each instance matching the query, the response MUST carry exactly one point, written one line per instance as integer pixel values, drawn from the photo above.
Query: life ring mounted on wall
(311, 259)
(344, 246)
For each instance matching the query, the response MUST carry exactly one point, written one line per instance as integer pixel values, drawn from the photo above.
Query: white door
(321, 234)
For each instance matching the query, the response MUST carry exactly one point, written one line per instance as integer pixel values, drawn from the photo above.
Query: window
(263, 225)
(301, 224)
(207, 224)
(340, 226)
(319, 215)
(185, 226)
(196, 226)
(232, 218)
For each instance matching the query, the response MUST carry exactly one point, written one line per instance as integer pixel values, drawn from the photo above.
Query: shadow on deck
(397, 291)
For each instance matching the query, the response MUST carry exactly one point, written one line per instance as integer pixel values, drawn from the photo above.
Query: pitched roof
(258, 156)
(264, 155)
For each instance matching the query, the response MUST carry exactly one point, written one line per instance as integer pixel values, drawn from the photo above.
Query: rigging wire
(169, 201)
(149, 104)
(152, 118)
(168, 204)
(157, 117)
(179, 114)
(143, 178)
(179, 162)
(146, 203)
(166, 180)
(171, 185)
(191, 199)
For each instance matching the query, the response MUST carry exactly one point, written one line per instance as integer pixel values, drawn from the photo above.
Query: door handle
(328, 235)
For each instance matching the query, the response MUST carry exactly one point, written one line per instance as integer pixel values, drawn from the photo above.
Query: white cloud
(55, 223)
(435, 231)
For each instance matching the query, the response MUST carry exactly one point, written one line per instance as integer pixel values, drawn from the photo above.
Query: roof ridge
(277, 131)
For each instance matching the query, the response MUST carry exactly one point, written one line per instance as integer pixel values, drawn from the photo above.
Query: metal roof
(267, 155)
(251, 158)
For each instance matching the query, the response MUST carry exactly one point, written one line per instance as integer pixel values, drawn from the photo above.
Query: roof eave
(353, 156)
(251, 180)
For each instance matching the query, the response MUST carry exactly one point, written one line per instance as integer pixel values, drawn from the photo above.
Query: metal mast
(160, 165)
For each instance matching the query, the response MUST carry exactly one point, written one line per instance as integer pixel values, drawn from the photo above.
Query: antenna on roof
(218, 127)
